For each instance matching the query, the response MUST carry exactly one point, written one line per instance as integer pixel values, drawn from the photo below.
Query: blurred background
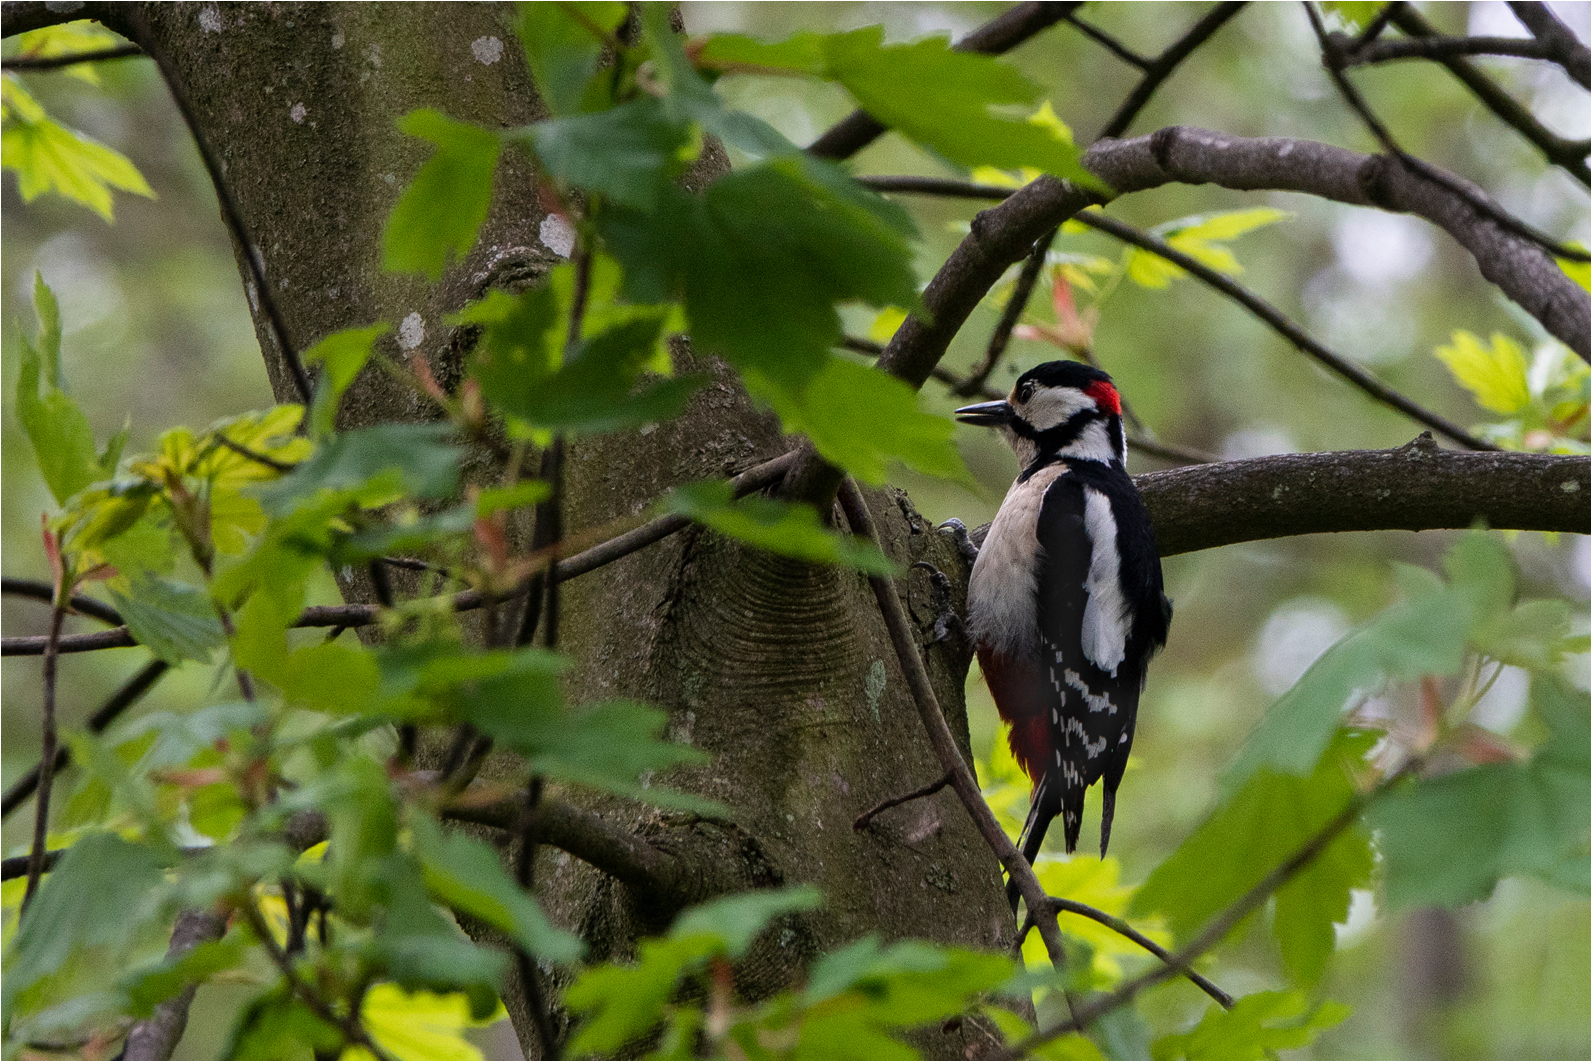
(157, 332)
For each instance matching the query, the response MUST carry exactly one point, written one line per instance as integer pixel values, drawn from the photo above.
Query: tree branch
(23, 16)
(1444, 47)
(1414, 487)
(1223, 283)
(1061, 904)
(1110, 43)
(119, 702)
(862, 822)
(1522, 270)
(1333, 63)
(41, 812)
(1570, 155)
(1556, 38)
(904, 639)
(1002, 34)
(1161, 68)
(1017, 302)
(41, 591)
(157, 1036)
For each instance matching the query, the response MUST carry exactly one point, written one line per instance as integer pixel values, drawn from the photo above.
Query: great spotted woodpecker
(1065, 604)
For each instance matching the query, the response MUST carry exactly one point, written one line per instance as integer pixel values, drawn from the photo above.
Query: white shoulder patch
(1105, 634)
(1001, 592)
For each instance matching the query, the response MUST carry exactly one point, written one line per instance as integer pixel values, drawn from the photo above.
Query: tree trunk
(781, 671)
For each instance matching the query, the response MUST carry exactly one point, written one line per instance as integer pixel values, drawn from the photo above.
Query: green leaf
(862, 419)
(344, 354)
(785, 528)
(372, 466)
(420, 948)
(926, 90)
(1446, 840)
(437, 218)
(171, 975)
(1579, 270)
(70, 910)
(621, 1003)
(563, 46)
(1496, 375)
(1258, 1026)
(1201, 237)
(69, 38)
(731, 923)
(627, 154)
(48, 157)
(62, 440)
(176, 621)
(277, 1025)
(466, 875)
(1254, 831)
(762, 258)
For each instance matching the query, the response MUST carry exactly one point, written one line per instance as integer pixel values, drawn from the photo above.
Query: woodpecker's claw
(947, 622)
(959, 534)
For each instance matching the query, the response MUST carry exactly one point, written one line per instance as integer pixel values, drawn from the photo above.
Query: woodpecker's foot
(947, 622)
(959, 534)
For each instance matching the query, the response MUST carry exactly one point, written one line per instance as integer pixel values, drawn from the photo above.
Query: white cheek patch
(1105, 634)
(1053, 406)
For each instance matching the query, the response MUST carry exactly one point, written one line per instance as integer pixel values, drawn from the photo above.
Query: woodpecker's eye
(1026, 391)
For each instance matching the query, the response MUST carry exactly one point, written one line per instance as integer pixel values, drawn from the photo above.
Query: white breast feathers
(1106, 620)
(1002, 611)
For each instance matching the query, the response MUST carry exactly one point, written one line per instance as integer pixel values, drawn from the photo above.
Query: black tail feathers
(1053, 798)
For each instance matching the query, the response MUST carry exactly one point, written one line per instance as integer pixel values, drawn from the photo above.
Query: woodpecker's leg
(947, 622)
(959, 534)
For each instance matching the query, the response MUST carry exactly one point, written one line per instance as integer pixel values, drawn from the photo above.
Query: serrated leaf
(1496, 374)
(63, 442)
(862, 419)
(420, 1025)
(1447, 840)
(1258, 1026)
(372, 466)
(466, 875)
(622, 1002)
(69, 38)
(563, 45)
(732, 923)
(626, 154)
(176, 621)
(344, 354)
(1253, 831)
(785, 528)
(437, 218)
(926, 90)
(48, 157)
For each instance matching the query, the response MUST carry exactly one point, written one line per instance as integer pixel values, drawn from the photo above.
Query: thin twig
(349, 1026)
(1210, 988)
(254, 455)
(233, 215)
(524, 873)
(1556, 36)
(904, 639)
(56, 62)
(41, 591)
(1387, 51)
(1570, 155)
(1333, 62)
(1241, 295)
(1224, 921)
(1016, 304)
(125, 697)
(1110, 43)
(862, 822)
(41, 813)
(1161, 68)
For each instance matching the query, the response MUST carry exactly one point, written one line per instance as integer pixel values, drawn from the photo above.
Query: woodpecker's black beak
(995, 414)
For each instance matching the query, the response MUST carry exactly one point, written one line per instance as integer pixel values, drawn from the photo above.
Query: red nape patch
(1105, 396)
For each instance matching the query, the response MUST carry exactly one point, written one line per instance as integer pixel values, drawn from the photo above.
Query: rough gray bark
(156, 1037)
(782, 672)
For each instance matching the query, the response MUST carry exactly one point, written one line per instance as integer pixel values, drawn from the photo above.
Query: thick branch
(612, 850)
(1521, 269)
(22, 16)
(1008, 30)
(1569, 154)
(1556, 37)
(1415, 487)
